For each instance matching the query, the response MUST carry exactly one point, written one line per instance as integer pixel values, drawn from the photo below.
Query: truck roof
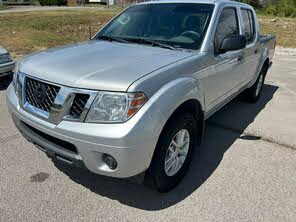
(196, 1)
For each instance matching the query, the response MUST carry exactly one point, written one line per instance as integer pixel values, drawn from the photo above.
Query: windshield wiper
(151, 42)
(111, 38)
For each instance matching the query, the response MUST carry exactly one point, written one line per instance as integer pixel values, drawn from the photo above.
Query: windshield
(178, 25)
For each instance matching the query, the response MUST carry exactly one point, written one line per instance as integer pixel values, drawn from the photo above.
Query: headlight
(115, 107)
(5, 58)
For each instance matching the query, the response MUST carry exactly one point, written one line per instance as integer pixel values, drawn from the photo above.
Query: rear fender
(264, 56)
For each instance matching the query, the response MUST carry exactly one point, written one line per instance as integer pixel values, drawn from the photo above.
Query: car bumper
(6, 69)
(131, 143)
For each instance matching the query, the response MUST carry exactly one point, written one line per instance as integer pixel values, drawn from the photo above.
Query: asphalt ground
(246, 170)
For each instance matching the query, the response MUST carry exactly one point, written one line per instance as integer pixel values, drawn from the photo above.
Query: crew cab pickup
(135, 98)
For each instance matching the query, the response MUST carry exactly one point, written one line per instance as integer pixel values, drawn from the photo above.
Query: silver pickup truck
(135, 98)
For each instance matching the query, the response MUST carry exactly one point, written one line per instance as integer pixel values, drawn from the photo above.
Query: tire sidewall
(162, 181)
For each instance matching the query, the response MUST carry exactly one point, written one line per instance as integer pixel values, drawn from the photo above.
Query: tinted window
(228, 25)
(177, 24)
(249, 25)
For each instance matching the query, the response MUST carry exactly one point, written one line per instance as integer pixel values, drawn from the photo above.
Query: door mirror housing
(232, 43)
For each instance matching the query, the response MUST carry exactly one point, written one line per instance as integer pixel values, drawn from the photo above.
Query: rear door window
(249, 26)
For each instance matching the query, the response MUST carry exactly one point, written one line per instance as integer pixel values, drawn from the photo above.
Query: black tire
(251, 95)
(156, 173)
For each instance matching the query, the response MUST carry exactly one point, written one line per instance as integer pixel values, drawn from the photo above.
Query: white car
(6, 63)
(98, 1)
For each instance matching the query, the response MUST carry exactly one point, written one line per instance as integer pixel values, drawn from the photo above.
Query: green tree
(53, 2)
(254, 3)
(287, 8)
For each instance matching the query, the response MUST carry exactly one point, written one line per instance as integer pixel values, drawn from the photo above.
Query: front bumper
(6, 69)
(131, 143)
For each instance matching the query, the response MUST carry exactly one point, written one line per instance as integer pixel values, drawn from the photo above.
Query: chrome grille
(52, 102)
(78, 105)
(40, 94)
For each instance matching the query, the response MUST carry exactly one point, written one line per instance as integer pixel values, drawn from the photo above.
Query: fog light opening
(110, 161)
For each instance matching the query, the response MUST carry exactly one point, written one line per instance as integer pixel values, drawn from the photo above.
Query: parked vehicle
(98, 1)
(135, 98)
(6, 63)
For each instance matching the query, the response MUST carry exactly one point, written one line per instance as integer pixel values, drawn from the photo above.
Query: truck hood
(99, 65)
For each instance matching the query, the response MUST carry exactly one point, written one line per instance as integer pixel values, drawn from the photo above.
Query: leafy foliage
(53, 2)
(285, 8)
(254, 3)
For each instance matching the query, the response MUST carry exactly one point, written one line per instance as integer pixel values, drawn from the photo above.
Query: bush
(255, 3)
(52, 2)
(287, 8)
(271, 10)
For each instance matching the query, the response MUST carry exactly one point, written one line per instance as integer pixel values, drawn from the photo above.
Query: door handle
(256, 51)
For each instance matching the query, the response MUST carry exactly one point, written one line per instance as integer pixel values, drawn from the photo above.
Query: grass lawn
(283, 28)
(26, 32)
(2, 7)
(23, 33)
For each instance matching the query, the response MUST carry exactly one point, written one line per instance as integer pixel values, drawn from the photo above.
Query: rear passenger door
(251, 52)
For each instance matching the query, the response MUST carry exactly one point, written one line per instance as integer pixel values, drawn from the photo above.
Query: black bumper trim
(51, 149)
(6, 74)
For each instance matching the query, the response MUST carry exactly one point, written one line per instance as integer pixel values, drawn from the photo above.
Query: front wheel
(173, 152)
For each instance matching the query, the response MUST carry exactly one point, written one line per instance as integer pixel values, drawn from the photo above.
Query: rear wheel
(253, 94)
(173, 152)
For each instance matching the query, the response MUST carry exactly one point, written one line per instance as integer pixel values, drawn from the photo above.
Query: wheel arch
(192, 106)
(265, 65)
(177, 96)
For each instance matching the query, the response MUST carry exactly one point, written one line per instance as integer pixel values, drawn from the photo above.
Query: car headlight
(115, 107)
(5, 58)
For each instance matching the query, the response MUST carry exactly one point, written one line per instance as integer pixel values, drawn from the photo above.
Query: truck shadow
(222, 130)
(4, 82)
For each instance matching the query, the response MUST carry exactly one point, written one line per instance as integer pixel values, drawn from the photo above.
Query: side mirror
(232, 43)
